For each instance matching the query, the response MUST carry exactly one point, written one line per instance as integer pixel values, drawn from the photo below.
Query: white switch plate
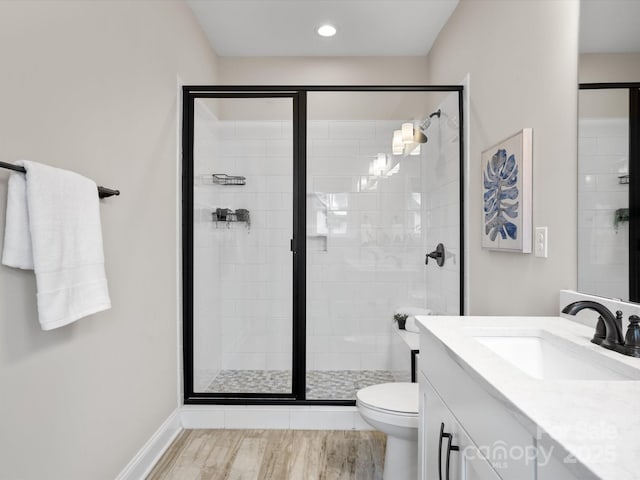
(541, 242)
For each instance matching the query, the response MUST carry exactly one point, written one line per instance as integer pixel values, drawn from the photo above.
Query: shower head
(407, 140)
(419, 135)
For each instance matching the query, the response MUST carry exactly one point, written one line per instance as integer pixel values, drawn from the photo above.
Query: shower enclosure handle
(437, 255)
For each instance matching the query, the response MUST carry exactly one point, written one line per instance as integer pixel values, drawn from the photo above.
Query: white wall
(522, 59)
(92, 87)
(322, 71)
(609, 67)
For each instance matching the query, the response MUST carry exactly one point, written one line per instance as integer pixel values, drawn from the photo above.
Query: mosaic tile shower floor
(321, 384)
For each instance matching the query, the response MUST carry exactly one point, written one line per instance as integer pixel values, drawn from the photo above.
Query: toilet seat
(392, 408)
(399, 398)
(390, 403)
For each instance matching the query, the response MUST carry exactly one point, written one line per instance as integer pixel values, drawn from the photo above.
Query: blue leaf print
(500, 196)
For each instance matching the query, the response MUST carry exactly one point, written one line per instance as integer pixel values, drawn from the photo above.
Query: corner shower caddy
(222, 179)
(228, 216)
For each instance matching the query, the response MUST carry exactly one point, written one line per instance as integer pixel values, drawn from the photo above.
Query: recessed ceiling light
(326, 30)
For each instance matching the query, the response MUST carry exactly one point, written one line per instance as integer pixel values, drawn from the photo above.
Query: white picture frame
(506, 178)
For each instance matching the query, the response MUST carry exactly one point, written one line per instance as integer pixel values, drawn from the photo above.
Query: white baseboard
(142, 463)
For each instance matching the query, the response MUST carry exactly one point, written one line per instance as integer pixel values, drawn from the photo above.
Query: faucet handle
(632, 338)
(600, 333)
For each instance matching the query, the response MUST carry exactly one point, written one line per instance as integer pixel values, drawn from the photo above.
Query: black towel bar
(103, 192)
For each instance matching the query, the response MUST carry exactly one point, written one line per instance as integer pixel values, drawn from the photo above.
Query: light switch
(541, 242)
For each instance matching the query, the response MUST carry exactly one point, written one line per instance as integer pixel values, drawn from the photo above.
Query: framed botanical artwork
(506, 194)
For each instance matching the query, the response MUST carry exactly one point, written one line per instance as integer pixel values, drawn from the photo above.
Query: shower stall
(307, 215)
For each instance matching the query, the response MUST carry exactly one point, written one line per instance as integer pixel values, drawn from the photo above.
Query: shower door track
(298, 94)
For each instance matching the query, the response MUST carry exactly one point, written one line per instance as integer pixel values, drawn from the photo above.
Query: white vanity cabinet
(509, 422)
(446, 452)
(478, 420)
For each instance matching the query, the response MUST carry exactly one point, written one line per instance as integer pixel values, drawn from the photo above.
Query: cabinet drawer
(492, 427)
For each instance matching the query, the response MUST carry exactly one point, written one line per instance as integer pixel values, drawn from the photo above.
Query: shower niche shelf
(228, 216)
(221, 179)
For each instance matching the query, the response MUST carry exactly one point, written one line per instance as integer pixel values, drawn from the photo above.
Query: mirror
(608, 150)
(603, 192)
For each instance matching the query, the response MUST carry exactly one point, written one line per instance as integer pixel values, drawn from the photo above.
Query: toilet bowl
(392, 408)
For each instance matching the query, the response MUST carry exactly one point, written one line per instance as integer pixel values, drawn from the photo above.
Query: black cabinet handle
(440, 451)
(450, 448)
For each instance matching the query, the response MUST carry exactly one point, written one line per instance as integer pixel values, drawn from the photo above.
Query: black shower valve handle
(437, 255)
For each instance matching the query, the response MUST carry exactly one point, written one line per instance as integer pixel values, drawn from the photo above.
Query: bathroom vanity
(519, 398)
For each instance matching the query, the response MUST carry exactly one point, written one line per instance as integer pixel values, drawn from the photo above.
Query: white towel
(53, 227)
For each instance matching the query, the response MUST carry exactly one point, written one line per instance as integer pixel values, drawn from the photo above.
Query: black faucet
(609, 328)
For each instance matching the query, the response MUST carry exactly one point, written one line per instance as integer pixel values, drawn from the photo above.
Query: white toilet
(392, 408)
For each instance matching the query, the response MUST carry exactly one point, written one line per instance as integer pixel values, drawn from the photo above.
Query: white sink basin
(545, 356)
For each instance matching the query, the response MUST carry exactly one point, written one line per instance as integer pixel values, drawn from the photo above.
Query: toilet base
(400, 459)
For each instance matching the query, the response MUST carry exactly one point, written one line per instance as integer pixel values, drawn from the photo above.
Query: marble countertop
(596, 422)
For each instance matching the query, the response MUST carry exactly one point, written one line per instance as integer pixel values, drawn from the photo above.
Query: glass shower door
(242, 261)
(375, 205)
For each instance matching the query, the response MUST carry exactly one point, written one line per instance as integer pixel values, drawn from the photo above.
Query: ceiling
(609, 26)
(377, 27)
(288, 27)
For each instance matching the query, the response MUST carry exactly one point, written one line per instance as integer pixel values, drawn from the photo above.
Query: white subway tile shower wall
(365, 250)
(243, 273)
(441, 212)
(377, 233)
(259, 280)
(361, 264)
(603, 255)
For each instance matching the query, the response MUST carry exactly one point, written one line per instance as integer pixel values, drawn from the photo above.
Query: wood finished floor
(273, 455)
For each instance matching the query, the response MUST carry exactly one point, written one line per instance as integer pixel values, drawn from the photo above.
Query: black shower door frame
(298, 94)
